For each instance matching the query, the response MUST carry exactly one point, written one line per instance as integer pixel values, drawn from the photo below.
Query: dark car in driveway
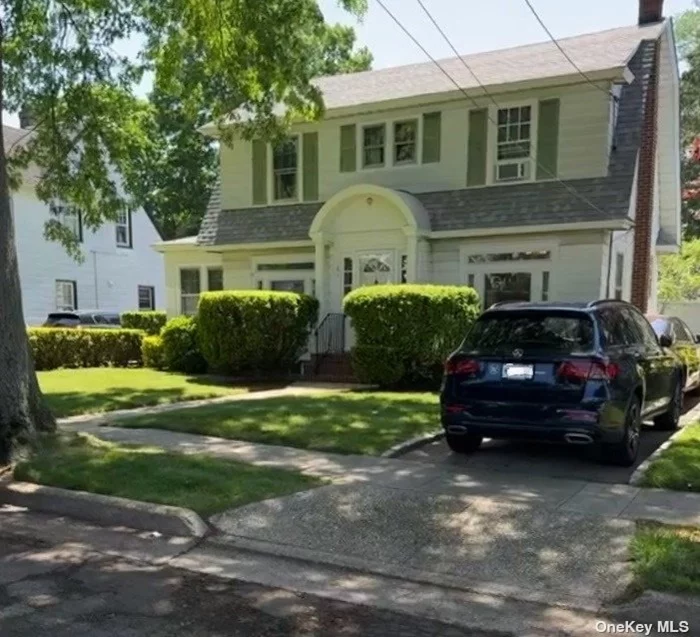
(581, 373)
(83, 319)
(684, 343)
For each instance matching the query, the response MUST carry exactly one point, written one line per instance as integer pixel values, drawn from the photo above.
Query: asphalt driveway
(542, 459)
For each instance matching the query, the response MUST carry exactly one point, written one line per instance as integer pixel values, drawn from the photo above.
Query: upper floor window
(70, 218)
(406, 142)
(123, 229)
(373, 145)
(514, 143)
(285, 169)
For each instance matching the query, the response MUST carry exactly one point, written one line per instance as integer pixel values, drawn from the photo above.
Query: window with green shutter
(259, 158)
(310, 156)
(548, 139)
(477, 147)
(348, 148)
(432, 136)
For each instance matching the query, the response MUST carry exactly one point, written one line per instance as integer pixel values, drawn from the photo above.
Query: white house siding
(108, 278)
(583, 146)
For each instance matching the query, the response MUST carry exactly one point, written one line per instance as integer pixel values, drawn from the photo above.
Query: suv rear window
(499, 333)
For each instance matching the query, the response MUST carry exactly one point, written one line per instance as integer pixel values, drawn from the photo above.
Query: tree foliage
(679, 274)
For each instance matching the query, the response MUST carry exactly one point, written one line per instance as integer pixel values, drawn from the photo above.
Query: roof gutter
(610, 224)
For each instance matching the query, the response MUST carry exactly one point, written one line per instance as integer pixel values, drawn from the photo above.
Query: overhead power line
(398, 23)
(565, 54)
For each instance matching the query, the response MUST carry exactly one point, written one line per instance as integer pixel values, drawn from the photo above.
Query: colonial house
(541, 181)
(120, 270)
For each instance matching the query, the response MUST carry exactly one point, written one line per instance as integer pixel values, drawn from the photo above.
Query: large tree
(255, 61)
(173, 176)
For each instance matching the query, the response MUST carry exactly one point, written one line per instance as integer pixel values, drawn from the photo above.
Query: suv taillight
(583, 370)
(462, 366)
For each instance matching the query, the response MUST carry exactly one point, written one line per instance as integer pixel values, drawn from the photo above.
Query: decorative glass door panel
(376, 268)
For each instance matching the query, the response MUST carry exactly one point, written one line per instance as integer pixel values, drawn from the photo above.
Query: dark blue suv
(580, 373)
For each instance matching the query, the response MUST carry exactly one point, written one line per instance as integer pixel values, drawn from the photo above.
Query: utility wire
(564, 53)
(568, 187)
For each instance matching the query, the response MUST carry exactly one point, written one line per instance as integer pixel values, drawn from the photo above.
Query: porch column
(411, 254)
(320, 273)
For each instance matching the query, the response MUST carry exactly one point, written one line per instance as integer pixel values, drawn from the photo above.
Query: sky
(471, 25)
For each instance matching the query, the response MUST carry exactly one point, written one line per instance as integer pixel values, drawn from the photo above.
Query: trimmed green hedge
(180, 345)
(149, 322)
(54, 347)
(152, 352)
(254, 331)
(404, 333)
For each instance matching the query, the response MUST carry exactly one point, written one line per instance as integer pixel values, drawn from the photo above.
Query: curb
(639, 473)
(413, 443)
(104, 510)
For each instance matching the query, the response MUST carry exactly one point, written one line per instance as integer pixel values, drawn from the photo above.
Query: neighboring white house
(553, 186)
(121, 271)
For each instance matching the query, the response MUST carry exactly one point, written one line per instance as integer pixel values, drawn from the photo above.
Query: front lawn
(352, 422)
(667, 558)
(80, 391)
(206, 485)
(678, 467)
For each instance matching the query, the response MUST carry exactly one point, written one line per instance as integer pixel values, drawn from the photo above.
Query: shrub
(149, 322)
(254, 331)
(407, 331)
(152, 352)
(54, 347)
(180, 346)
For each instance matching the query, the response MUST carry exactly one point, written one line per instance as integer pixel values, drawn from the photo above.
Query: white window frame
(70, 284)
(152, 294)
(181, 294)
(390, 142)
(535, 267)
(492, 146)
(127, 225)
(70, 217)
(388, 128)
(394, 143)
(271, 172)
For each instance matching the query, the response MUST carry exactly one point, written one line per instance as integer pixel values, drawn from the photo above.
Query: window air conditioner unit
(513, 170)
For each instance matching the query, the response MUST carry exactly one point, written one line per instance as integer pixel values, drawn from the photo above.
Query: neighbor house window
(514, 143)
(66, 295)
(285, 162)
(70, 218)
(190, 288)
(215, 279)
(619, 274)
(123, 229)
(405, 142)
(147, 297)
(347, 275)
(373, 140)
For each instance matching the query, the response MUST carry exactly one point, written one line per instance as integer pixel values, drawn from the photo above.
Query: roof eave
(623, 223)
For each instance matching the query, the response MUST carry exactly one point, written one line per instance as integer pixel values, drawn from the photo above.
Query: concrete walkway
(535, 539)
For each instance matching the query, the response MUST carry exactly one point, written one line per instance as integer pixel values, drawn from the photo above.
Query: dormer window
(514, 144)
(285, 169)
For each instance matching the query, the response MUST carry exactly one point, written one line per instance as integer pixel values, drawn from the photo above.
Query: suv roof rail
(602, 301)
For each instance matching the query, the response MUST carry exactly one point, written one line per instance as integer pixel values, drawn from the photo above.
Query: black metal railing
(330, 336)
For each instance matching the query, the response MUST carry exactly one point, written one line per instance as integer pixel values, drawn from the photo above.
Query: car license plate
(515, 371)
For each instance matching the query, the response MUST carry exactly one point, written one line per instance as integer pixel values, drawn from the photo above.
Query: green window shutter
(310, 151)
(432, 133)
(348, 149)
(259, 172)
(476, 154)
(548, 139)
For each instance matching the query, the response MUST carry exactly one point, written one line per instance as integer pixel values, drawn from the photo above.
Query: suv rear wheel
(668, 421)
(463, 443)
(624, 453)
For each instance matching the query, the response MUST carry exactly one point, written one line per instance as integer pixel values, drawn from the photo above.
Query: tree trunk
(23, 411)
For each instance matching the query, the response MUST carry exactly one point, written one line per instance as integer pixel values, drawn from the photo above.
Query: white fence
(689, 311)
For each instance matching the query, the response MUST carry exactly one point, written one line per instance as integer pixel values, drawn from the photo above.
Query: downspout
(94, 270)
(610, 251)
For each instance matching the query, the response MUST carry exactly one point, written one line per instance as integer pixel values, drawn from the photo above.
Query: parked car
(83, 319)
(684, 343)
(581, 373)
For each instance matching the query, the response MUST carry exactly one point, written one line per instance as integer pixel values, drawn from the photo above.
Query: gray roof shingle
(535, 203)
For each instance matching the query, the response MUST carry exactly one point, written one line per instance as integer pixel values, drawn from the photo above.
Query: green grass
(666, 558)
(353, 422)
(678, 467)
(206, 485)
(80, 391)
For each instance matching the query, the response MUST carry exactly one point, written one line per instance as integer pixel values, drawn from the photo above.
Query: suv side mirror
(665, 340)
